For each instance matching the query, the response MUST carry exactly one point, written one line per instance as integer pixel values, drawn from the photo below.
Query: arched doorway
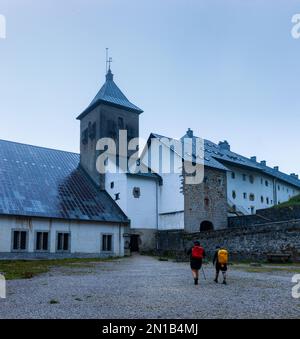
(134, 243)
(206, 226)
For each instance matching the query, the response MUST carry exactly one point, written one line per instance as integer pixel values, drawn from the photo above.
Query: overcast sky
(228, 69)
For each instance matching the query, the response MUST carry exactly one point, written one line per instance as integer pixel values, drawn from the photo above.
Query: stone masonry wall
(243, 243)
(206, 201)
(266, 215)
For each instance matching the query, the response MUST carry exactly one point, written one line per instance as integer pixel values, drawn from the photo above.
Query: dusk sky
(228, 69)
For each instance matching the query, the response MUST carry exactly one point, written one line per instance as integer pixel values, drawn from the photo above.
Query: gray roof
(41, 182)
(226, 156)
(110, 94)
(208, 160)
(217, 156)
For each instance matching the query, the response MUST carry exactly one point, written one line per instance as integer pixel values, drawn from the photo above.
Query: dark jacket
(215, 260)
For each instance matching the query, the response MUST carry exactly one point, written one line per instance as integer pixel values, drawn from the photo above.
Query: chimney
(294, 175)
(190, 133)
(254, 159)
(224, 145)
(276, 168)
(263, 162)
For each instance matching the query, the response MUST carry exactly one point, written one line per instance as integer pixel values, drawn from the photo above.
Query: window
(136, 192)
(117, 196)
(84, 137)
(206, 202)
(251, 197)
(63, 241)
(245, 195)
(233, 194)
(244, 177)
(278, 187)
(251, 179)
(92, 130)
(112, 185)
(268, 200)
(233, 175)
(262, 199)
(267, 183)
(252, 210)
(107, 242)
(19, 240)
(121, 123)
(41, 242)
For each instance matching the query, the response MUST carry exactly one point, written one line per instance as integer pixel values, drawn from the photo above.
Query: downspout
(275, 192)
(120, 240)
(157, 217)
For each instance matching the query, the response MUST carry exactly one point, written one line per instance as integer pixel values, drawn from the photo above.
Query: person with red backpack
(197, 254)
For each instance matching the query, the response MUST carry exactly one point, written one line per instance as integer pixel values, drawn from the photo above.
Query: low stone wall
(265, 216)
(243, 243)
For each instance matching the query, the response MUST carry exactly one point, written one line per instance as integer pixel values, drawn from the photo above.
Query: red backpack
(197, 252)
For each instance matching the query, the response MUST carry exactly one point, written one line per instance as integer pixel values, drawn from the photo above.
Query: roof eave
(100, 101)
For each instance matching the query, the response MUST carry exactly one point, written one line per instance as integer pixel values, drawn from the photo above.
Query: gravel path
(143, 287)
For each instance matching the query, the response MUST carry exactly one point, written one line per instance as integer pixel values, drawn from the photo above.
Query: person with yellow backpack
(220, 261)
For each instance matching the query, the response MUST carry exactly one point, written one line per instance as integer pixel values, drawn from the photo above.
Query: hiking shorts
(222, 268)
(196, 264)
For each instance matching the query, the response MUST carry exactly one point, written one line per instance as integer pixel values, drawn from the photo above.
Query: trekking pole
(203, 273)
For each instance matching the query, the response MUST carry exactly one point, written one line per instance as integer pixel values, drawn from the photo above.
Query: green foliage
(26, 269)
(295, 201)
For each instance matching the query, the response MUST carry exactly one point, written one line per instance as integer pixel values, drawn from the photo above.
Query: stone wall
(242, 243)
(265, 216)
(206, 201)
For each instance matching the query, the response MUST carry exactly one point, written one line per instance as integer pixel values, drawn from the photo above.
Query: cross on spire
(108, 61)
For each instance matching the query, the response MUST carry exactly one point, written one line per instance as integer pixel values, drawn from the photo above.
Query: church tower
(109, 112)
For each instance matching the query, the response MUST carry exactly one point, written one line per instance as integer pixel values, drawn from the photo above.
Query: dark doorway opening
(134, 243)
(206, 226)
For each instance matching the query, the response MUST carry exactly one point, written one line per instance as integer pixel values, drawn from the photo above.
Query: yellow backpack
(223, 257)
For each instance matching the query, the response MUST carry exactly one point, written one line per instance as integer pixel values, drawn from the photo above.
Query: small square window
(136, 192)
(252, 197)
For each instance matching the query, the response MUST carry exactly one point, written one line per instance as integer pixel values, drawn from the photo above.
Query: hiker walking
(197, 254)
(220, 261)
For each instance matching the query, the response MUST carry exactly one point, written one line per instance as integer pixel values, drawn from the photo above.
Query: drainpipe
(157, 217)
(275, 198)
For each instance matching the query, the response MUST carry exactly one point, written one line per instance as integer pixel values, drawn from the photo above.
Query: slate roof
(217, 157)
(208, 160)
(41, 182)
(110, 94)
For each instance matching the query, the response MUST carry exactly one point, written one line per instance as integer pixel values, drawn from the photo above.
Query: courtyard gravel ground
(144, 287)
